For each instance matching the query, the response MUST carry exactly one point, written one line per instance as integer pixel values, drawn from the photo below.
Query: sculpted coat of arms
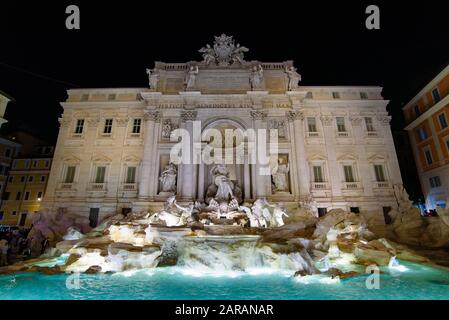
(224, 52)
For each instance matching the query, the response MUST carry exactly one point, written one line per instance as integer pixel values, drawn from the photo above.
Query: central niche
(224, 158)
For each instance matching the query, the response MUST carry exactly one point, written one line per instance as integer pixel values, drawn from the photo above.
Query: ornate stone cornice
(295, 115)
(122, 122)
(384, 119)
(188, 115)
(93, 121)
(326, 120)
(152, 116)
(258, 115)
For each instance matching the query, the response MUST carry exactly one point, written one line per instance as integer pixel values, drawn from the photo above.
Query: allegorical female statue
(256, 77)
(168, 178)
(293, 78)
(153, 78)
(191, 77)
(280, 176)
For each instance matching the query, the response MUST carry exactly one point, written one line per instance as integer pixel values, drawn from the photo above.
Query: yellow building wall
(27, 176)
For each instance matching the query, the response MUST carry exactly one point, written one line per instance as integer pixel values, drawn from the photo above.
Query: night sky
(40, 58)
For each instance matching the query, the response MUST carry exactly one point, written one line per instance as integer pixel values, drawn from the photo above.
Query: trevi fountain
(222, 231)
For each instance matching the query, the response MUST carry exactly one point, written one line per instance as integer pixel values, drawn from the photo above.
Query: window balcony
(320, 186)
(313, 134)
(134, 135)
(342, 134)
(381, 185)
(129, 186)
(97, 186)
(371, 134)
(352, 185)
(66, 186)
(77, 135)
(106, 135)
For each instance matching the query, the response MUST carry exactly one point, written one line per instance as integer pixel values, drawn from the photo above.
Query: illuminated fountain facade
(334, 145)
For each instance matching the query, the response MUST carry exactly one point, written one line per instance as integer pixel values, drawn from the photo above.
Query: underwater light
(394, 266)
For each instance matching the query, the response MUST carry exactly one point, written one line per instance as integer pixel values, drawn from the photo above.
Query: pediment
(101, 158)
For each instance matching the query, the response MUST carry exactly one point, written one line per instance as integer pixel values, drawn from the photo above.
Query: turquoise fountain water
(410, 281)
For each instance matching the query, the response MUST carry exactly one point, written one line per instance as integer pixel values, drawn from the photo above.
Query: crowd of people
(14, 246)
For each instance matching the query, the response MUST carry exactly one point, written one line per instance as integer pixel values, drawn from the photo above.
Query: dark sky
(40, 59)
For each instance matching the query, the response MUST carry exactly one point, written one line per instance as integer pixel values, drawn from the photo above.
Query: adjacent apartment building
(427, 118)
(25, 188)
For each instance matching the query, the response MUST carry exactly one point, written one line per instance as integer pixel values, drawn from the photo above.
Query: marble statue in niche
(279, 176)
(168, 178)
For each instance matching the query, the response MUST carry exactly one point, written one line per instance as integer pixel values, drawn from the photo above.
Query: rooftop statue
(153, 78)
(293, 78)
(224, 52)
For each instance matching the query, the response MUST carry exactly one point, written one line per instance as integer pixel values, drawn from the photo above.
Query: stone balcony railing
(128, 186)
(342, 134)
(381, 185)
(352, 185)
(313, 134)
(372, 134)
(320, 186)
(66, 186)
(97, 186)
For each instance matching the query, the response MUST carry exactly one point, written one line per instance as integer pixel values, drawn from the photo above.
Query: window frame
(427, 152)
(66, 174)
(136, 129)
(436, 98)
(107, 128)
(313, 125)
(339, 125)
(79, 126)
(440, 117)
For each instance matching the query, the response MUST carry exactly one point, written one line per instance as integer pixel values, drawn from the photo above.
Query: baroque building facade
(113, 151)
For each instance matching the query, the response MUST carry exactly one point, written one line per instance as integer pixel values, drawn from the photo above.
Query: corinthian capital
(258, 115)
(295, 115)
(152, 116)
(188, 115)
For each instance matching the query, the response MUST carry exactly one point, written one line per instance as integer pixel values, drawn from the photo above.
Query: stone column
(297, 117)
(246, 180)
(201, 177)
(147, 164)
(334, 168)
(261, 182)
(365, 170)
(395, 173)
(188, 169)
